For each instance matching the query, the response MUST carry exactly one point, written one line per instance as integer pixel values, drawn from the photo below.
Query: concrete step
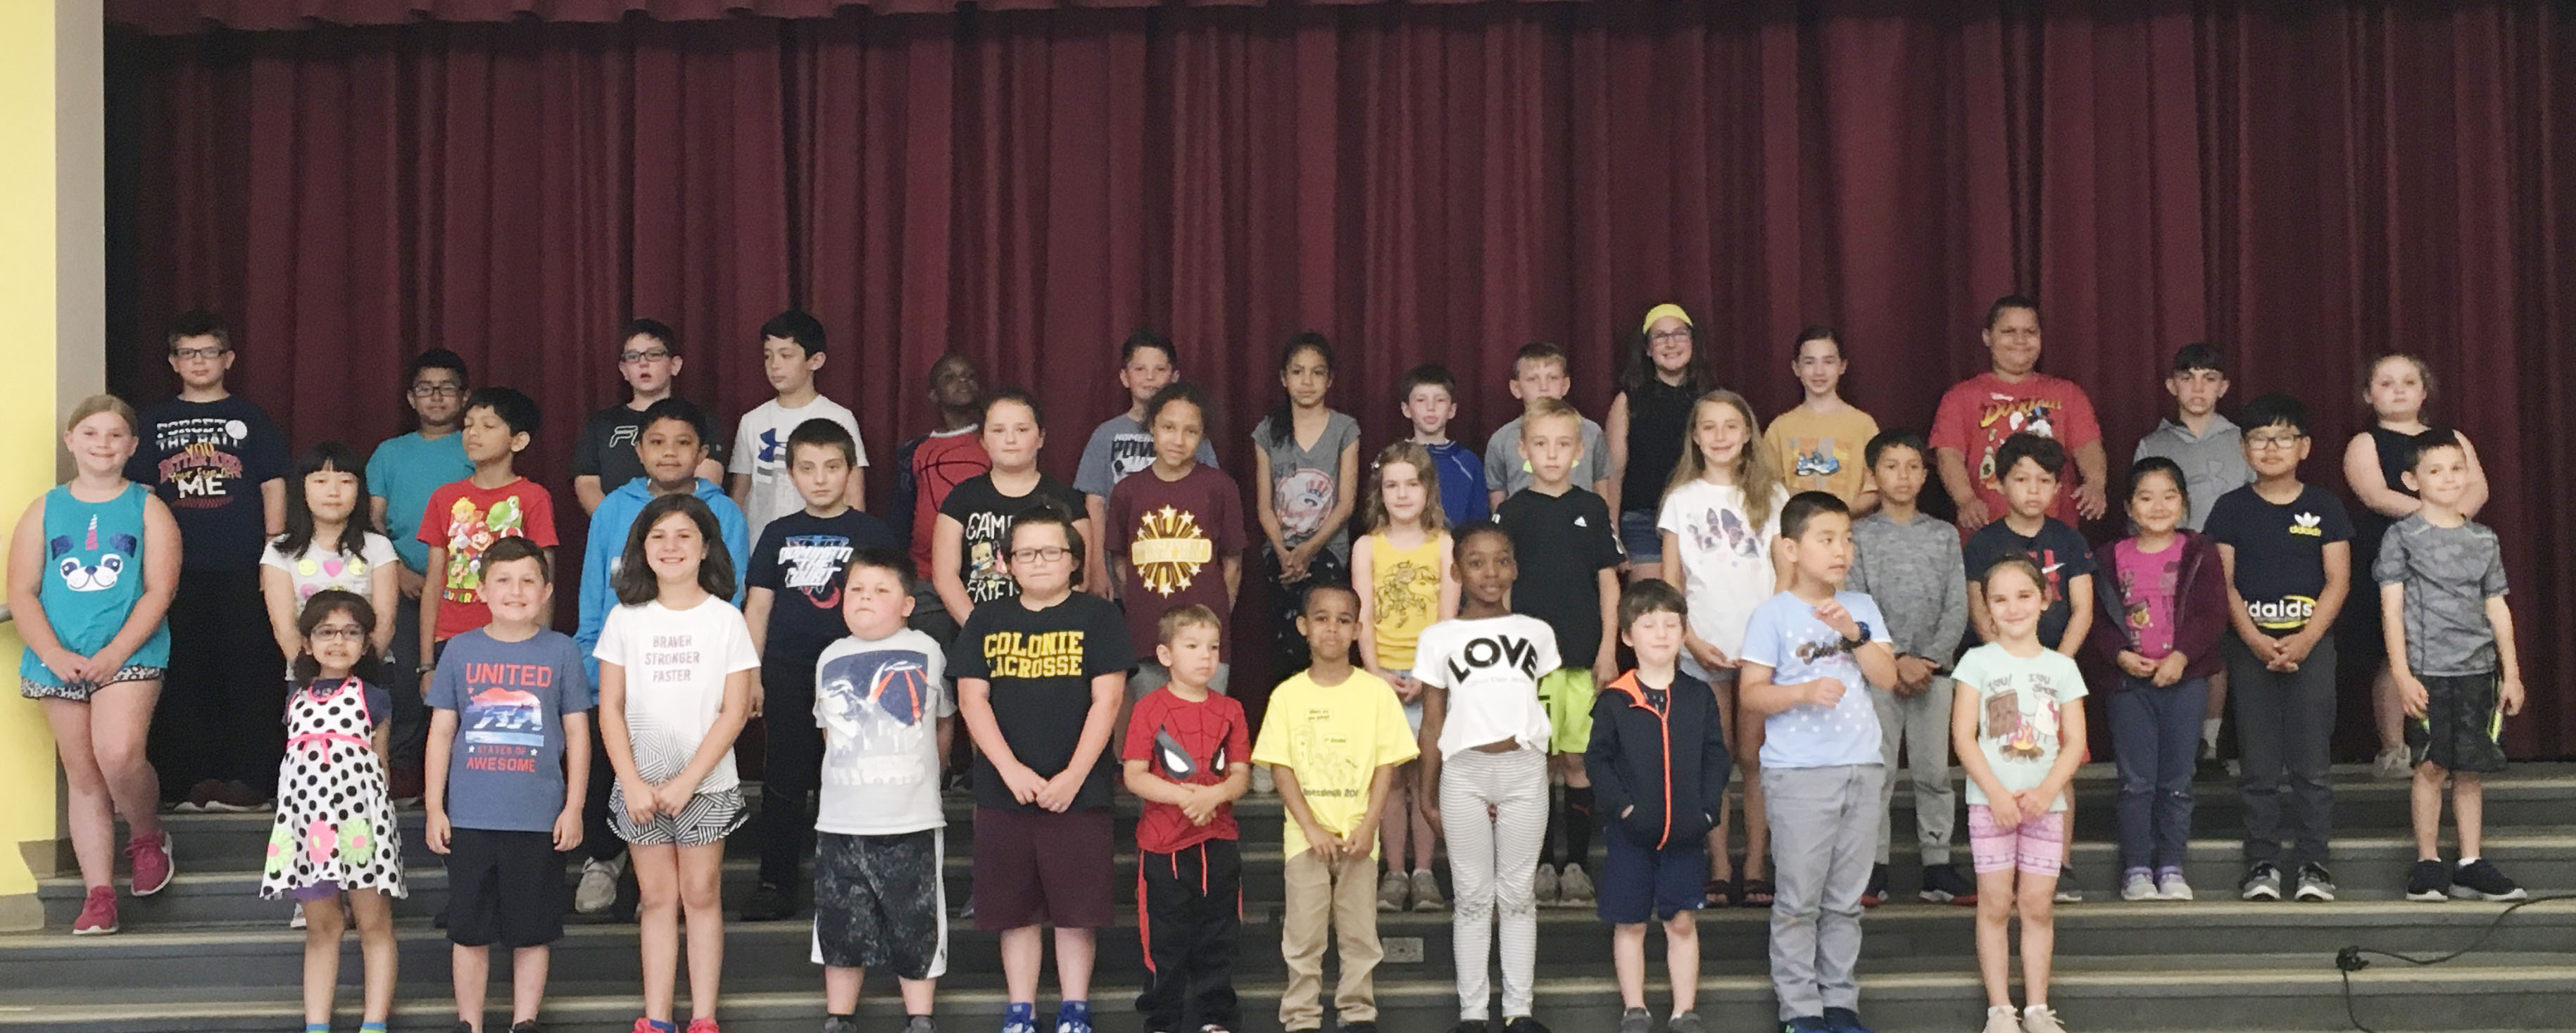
(2537, 794)
(2205, 992)
(268, 954)
(2541, 858)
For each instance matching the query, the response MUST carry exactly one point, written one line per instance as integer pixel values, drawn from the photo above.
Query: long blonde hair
(1754, 474)
(1373, 515)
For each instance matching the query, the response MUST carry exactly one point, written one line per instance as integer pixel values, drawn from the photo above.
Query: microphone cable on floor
(2351, 959)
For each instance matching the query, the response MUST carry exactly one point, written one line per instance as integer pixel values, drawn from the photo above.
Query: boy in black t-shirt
(1569, 551)
(1040, 677)
(794, 609)
(220, 465)
(648, 358)
(2031, 468)
(2287, 547)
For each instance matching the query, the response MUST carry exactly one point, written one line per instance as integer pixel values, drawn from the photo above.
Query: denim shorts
(1637, 532)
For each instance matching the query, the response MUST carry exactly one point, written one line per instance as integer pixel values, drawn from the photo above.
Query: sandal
(1719, 893)
(1756, 888)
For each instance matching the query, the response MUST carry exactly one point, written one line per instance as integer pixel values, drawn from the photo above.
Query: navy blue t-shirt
(2061, 554)
(801, 559)
(505, 772)
(207, 461)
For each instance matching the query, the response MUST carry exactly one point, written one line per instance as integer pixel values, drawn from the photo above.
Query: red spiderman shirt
(1189, 743)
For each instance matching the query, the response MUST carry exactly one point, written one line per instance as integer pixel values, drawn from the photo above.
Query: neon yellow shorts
(1567, 694)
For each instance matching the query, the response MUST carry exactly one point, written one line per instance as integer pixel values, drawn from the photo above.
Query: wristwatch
(424, 668)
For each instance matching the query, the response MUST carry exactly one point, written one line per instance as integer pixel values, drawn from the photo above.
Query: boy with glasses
(648, 358)
(401, 474)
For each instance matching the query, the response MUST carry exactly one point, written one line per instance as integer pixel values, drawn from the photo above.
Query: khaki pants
(1340, 900)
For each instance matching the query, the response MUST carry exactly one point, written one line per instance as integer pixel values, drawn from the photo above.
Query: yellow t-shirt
(1822, 453)
(1407, 593)
(1334, 737)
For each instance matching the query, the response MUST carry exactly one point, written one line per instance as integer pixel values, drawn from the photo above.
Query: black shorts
(881, 902)
(1639, 883)
(504, 889)
(2462, 724)
(1037, 867)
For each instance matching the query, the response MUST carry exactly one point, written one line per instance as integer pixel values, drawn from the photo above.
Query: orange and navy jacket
(1659, 774)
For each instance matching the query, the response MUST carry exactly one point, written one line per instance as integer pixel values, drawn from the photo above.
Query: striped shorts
(708, 818)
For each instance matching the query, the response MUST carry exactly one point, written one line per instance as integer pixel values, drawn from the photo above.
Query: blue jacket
(608, 529)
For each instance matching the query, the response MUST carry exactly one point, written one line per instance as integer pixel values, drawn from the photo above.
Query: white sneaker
(2391, 764)
(1573, 888)
(2138, 886)
(2173, 887)
(2040, 1018)
(598, 885)
(1543, 886)
(2003, 1019)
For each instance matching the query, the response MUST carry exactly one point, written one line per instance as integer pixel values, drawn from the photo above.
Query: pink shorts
(2037, 846)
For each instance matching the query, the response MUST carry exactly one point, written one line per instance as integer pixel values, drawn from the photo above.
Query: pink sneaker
(703, 1026)
(150, 858)
(98, 913)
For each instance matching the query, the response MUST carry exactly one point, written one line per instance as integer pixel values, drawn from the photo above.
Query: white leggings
(1491, 863)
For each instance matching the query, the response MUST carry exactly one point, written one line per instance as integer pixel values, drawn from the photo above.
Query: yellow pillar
(52, 348)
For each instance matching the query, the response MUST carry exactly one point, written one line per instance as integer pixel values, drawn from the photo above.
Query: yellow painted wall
(30, 335)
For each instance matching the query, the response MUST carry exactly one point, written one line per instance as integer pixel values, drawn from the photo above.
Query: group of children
(1450, 640)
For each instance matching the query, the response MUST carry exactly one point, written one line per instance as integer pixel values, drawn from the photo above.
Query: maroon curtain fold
(183, 17)
(2308, 185)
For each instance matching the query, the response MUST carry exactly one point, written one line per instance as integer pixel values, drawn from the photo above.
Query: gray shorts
(880, 903)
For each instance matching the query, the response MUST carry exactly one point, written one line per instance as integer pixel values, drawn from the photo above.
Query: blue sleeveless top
(93, 577)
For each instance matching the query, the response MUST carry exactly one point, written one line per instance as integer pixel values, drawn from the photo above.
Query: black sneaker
(2262, 882)
(1359, 1027)
(461, 1026)
(1876, 892)
(1466, 1026)
(769, 903)
(1524, 1024)
(2429, 881)
(1942, 884)
(528, 1026)
(2481, 881)
(2316, 884)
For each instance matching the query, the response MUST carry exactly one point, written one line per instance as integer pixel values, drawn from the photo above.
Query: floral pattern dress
(334, 816)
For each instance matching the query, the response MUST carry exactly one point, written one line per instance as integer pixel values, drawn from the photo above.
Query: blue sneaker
(1843, 1020)
(1073, 1017)
(1020, 1017)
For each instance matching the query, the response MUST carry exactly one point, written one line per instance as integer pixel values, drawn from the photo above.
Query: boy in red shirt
(1978, 413)
(1189, 757)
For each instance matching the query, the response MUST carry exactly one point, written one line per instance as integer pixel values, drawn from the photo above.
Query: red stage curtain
(2307, 184)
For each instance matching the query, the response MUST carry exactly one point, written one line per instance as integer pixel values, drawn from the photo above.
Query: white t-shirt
(1726, 564)
(676, 662)
(2018, 702)
(1491, 668)
(323, 567)
(760, 450)
(879, 705)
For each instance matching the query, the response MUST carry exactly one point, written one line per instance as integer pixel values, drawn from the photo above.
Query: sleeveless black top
(1658, 430)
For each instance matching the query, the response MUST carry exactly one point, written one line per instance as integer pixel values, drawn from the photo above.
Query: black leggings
(223, 700)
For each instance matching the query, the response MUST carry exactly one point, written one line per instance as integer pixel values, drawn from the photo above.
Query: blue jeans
(2155, 734)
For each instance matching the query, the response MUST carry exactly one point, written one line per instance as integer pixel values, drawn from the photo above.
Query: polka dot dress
(335, 820)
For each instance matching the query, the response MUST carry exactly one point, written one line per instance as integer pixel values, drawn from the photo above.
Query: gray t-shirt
(2213, 464)
(1507, 472)
(2449, 574)
(506, 773)
(1303, 481)
(1118, 447)
(1912, 570)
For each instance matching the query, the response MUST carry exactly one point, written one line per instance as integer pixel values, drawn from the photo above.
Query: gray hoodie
(1914, 573)
(2213, 464)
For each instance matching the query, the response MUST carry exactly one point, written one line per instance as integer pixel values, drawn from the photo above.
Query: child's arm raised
(1107, 691)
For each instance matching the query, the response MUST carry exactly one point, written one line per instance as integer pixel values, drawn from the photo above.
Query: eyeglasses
(1682, 334)
(2273, 441)
(338, 633)
(644, 356)
(198, 353)
(1041, 554)
(436, 390)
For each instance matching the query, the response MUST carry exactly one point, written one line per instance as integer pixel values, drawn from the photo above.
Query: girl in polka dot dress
(335, 833)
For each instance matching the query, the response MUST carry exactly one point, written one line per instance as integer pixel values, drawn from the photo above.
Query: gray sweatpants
(1823, 821)
(1922, 723)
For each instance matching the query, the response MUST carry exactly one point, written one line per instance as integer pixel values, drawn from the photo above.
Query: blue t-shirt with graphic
(505, 771)
(1785, 636)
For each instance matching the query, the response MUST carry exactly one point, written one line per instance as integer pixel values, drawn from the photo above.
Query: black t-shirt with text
(2280, 552)
(207, 461)
(802, 558)
(1562, 543)
(1040, 664)
(2062, 556)
(986, 514)
(607, 447)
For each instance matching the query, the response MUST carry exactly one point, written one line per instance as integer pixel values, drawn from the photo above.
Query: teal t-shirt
(403, 472)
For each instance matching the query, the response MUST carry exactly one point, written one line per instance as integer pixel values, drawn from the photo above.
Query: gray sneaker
(1543, 887)
(1574, 889)
(2262, 882)
(1426, 892)
(1683, 1022)
(915, 1024)
(837, 1024)
(2316, 885)
(1391, 890)
(598, 885)
(1635, 1020)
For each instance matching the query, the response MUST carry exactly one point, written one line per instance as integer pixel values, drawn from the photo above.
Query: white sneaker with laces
(2040, 1018)
(2003, 1019)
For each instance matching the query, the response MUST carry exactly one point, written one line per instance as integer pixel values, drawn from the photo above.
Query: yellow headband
(1659, 312)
